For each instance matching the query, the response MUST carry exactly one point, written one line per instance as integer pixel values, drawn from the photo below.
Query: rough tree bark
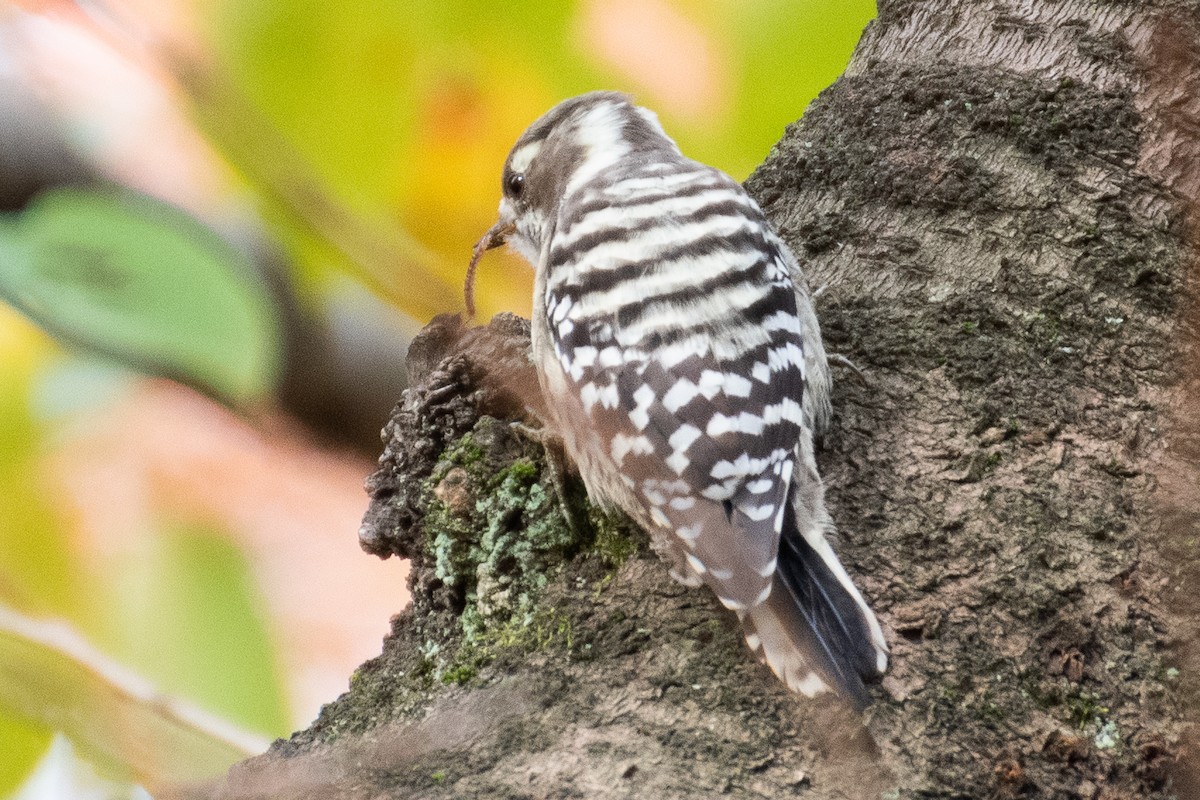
(1001, 200)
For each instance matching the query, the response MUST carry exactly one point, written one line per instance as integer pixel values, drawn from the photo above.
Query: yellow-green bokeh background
(407, 109)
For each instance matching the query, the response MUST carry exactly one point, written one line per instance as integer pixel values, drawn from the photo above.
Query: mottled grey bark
(1000, 198)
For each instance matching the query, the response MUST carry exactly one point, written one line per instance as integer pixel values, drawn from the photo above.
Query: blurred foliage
(62, 774)
(182, 601)
(141, 282)
(182, 610)
(366, 130)
(408, 109)
(122, 724)
(36, 572)
(23, 744)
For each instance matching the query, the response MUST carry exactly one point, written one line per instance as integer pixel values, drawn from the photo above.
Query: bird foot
(557, 466)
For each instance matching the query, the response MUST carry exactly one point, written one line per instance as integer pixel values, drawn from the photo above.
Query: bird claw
(556, 466)
(542, 436)
(841, 360)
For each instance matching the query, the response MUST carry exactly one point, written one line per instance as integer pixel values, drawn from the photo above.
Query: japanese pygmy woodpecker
(682, 365)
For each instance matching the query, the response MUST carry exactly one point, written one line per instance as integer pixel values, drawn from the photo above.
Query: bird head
(568, 146)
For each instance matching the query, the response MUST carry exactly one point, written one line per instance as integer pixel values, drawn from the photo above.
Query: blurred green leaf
(183, 610)
(142, 283)
(51, 676)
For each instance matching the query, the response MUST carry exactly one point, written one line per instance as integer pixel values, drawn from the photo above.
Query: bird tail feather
(814, 630)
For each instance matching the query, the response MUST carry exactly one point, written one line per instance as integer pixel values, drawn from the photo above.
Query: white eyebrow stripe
(524, 156)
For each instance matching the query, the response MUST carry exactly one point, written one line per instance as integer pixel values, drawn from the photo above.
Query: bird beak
(496, 236)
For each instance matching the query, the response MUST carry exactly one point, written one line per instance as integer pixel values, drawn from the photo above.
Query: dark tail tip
(835, 625)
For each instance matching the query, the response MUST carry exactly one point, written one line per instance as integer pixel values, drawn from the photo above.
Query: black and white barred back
(674, 349)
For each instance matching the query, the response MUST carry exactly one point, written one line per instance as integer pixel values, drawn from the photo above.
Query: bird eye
(515, 183)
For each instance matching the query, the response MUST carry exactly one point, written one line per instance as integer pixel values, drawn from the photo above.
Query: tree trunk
(1000, 200)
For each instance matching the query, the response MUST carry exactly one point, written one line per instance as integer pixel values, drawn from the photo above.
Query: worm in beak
(495, 237)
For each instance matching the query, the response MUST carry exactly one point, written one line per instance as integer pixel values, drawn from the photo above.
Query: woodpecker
(682, 366)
